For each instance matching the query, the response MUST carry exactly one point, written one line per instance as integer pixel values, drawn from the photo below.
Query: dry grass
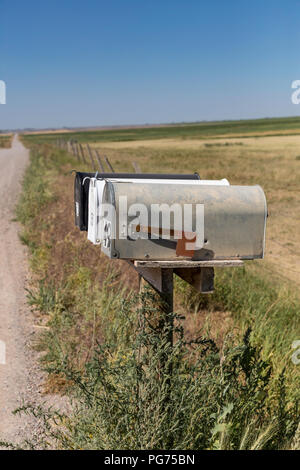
(66, 246)
(5, 140)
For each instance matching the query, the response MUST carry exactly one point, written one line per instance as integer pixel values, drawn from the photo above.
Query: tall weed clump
(271, 313)
(140, 391)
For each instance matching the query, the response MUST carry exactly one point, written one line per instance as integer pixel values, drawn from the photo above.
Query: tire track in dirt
(20, 376)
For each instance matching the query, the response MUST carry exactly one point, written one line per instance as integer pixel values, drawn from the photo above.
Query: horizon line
(137, 126)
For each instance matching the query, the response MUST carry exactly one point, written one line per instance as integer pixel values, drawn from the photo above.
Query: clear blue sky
(81, 63)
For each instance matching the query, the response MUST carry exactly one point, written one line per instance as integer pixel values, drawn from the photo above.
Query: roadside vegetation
(233, 384)
(5, 141)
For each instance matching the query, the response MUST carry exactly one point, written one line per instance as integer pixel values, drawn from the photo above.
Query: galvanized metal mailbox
(140, 220)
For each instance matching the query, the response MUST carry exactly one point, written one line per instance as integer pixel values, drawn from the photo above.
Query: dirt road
(19, 375)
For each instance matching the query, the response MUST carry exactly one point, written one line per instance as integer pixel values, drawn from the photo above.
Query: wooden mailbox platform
(200, 274)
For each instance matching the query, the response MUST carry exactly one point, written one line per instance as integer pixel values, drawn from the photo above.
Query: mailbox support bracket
(199, 274)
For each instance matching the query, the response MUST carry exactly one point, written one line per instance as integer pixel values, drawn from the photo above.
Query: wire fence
(90, 156)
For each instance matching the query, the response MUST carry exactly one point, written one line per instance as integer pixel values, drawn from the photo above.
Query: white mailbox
(82, 184)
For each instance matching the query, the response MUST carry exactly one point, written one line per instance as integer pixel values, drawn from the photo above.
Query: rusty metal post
(72, 142)
(109, 164)
(82, 153)
(91, 157)
(77, 150)
(136, 167)
(99, 161)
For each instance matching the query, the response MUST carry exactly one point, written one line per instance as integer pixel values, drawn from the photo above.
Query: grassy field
(79, 295)
(202, 130)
